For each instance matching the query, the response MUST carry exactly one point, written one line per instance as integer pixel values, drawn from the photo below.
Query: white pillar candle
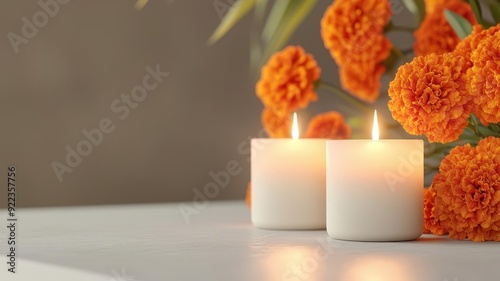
(288, 183)
(375, 189)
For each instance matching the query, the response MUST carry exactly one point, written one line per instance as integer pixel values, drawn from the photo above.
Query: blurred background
(87, 54)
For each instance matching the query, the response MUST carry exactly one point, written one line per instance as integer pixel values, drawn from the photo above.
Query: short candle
(288, 179)
(375, 189)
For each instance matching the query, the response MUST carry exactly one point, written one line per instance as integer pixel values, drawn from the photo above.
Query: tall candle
(289, 182)
(374, 189)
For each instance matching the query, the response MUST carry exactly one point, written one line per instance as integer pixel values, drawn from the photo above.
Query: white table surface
(153, 242)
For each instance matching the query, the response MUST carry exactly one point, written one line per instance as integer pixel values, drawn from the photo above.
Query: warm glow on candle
(295, 127)
(375, 133)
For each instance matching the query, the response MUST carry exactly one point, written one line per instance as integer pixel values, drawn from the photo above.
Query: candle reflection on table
(379, 268)
(317, 263)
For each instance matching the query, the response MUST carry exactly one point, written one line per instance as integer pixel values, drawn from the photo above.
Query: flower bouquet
(448, 93)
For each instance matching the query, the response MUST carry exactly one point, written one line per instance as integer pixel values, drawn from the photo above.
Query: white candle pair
(366, 190)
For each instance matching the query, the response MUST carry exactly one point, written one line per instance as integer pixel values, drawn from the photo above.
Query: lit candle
(289, 182)
(374, 189)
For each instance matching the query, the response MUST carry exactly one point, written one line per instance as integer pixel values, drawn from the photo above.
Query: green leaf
(139, 4)
(459, 24)
(495, 11)
(487, 132)
(495, 128)
(476, 8)
(295, 13)
(239, 9)
(260, 10)
(255, 46)
(417, 8)
(274, 19)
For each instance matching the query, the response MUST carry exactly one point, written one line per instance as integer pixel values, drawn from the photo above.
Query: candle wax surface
(375, 189)
(288, 183)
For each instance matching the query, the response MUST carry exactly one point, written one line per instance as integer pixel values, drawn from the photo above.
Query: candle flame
(295, 127)
(375, 132)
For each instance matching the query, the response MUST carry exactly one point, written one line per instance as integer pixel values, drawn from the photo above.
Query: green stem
(343, 95)
(391, 27)
(400, 54)
(473, 126)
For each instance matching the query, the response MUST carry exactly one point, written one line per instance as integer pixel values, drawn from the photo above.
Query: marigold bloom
(286, 82)
(430, 5)
(435, 34)
(330, 125)
(468, 191)
(353, 30)
(362, 81)
(248, 196)
(277, 124)
(431, 223)
(468, 44)
(428, 96)
(484, 79)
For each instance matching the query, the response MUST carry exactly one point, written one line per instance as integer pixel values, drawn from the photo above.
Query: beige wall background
(64, 79)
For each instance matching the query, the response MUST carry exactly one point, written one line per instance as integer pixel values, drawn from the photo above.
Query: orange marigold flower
(431, 223)
(277, 124)
(248, 196)
(468, 191)
(435, 35)
(353, 31)
(428, 96)
(465, 47)
(484, 79)
(362, 81)
(430, 5)
(330, 125)
(286, 81)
